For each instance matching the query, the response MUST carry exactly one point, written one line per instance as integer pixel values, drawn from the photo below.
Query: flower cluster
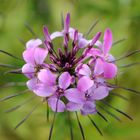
(74, 77)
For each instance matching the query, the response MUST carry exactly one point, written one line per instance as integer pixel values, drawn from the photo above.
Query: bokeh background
(122, 16)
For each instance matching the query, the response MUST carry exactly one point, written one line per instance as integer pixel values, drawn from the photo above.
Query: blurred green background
(122, 16)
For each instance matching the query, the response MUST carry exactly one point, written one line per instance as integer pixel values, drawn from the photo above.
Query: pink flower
(70, 82)
(34, 57)
(102, 58)
(48, 80)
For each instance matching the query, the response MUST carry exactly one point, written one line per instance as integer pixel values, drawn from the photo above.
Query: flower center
(59, 91)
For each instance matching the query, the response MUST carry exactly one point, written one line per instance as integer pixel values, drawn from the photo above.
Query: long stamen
(16, 71)
(29, 28)
(54, 117)
(27, 116)
(125, 56)
(129, 65)
(62, 20)
(123, 113)
(102, 116)
(119, 95)
(110, 113)
(70, 126)
(94, 124)
(48, 112)
(118, 41)
(8, 66)
(124, 88)
(11, 55)
(91, 28)
(12, 84)
(22, 41)
(80, 126)
(19, 106)
(13, 95)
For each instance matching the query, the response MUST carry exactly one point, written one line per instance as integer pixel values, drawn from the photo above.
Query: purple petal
(46, 33)
(64, 80)
(65, 41)
(88, 108)
(28, 70)
(82, 43)
(74, 95)
(75, 36)
(84, 83)
(55, 35)
(47, 77)
(67, 23)
(95, 39)
(33, 43)
(56, 104)
(99, 67)
(107, 43)
(110, 70)
(85, 70)
(40, 55)
(73, 106)
(100, 93)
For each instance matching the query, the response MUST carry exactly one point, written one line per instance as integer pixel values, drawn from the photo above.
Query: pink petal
(110, 70)
(74, 95)
(94, 52)
(100, 93)
(40, 55)
(40, 89)
(73, 106)
(107, 43)
(55, 35)
(88, 108)
(99, 44)
(47, 77)
(32, 83)
(44, 91)
(82, 43)
(72, 32)
(28, 56)
(56, 104)
(64, 80)
(84, 83)
(28, 70)
(99, 67)
(85, 70)
(110, 58)
(33, 43)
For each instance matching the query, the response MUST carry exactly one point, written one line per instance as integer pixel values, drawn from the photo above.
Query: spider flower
(69, 82)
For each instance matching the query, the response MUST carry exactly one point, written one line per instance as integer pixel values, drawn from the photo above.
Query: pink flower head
(77, 75)
(69, 82)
